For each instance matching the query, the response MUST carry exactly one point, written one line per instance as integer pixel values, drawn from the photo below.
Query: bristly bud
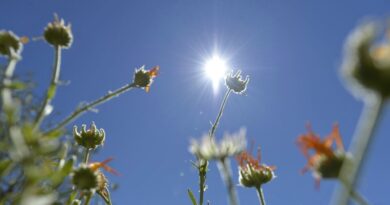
(58, 34)
(236, 83)
(144, 78)
(366, 64)
(209, 149)
(84, 178)
(10, 43)
(90, 138)
(251, 172)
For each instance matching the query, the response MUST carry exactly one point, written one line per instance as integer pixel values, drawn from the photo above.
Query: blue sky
(292, 51)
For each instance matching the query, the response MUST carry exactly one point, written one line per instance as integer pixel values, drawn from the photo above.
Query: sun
(215, 68)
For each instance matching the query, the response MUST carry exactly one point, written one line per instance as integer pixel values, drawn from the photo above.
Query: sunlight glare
(215, 69)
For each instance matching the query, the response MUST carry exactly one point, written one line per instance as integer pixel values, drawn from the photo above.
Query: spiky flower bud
(251, 172)
(144, 78)
(236, 83)
(9, 42)
(90, 138)
(366, 64)
(58, 34)
(209, 149)
(84, 178)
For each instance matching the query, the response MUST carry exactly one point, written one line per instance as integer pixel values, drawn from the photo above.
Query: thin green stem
(202, 169)
(86, 156)
(215, 125)
(260, 194)
(50, 93)
(360, 145)
(91, 105)
(226, 174)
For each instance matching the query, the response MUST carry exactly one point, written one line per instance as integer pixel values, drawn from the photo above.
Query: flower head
(11, 43)
(326, 162)
(89, 177)
(90, 138)
(144, 78)
(366, 63)
(251, 172)
(236, 83)
(207, 148)
(58, 34)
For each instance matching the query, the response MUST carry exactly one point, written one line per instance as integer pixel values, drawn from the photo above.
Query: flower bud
(85, 178)
(236, 83)
(251, 172)
(144, 78)
(366, 65)
(255, 177)
(58, 34)
(10, 43)
(90, 138)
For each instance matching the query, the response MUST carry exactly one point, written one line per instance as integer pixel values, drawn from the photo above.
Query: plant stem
(360, 145)
(260, 194)
(202, 169)
(226, 174)
(5, 91)
(215, 125)
(89, 106)
(86, 156)
(50, 93)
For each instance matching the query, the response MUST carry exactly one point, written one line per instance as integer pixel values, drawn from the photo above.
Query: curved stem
(364, 136)
(215, 125)
(226, 174)
(50, 93)
(91, 105)
(260, 194)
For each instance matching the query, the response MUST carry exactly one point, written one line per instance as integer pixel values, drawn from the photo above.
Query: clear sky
(291, 49)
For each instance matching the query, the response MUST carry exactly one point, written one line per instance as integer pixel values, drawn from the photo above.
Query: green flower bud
(90, 138)
(144, 78)
(252, 176)
(236, 83)
(9, 43)
(251, 172)
(366, 65)
(58, 34)
(84, 178)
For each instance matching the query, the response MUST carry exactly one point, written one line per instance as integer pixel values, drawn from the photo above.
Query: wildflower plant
(39, 165)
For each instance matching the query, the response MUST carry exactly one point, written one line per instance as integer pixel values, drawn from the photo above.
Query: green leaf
(192, 197)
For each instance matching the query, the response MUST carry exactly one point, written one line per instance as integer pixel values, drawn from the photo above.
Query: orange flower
(97, 165)
(252, 172)
(325, 162)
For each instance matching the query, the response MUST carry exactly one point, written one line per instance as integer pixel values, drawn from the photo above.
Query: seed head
(236, 83)
(58, 34)
(10, 43)
(90, 138)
